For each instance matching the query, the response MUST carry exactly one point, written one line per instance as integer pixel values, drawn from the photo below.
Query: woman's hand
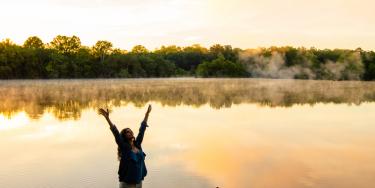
(104, 113)
(149, 109)
(147, 113)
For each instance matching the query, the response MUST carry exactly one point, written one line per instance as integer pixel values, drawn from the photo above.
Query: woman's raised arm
(105, 114)
(142, 129)
(147, 113)
(113, 128)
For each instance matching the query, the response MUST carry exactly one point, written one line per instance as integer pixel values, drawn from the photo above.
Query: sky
(241, 23)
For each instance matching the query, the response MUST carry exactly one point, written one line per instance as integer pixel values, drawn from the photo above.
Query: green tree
(369, 63)
(33, 42)
(139, 49)
(66, 45)
(227, 51)
(101, 49)
(191, 57)
(5, 68)
(166, 50)
(221, 67)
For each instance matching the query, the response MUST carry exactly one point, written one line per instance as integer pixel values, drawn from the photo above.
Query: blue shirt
(132, 167)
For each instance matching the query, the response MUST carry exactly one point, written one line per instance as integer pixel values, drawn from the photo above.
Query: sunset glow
(240, 23)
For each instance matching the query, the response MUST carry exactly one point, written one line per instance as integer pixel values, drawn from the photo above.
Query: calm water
(240, 133)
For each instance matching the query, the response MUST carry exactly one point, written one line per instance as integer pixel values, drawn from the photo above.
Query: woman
(132, 169)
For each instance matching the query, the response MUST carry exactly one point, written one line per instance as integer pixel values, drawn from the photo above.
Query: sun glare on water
(19, 120)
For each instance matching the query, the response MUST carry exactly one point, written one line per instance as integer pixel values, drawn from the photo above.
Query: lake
(240, 133)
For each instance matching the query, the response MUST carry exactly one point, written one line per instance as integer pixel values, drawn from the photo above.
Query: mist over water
(273, 65)
(67, 98)
(236, 133)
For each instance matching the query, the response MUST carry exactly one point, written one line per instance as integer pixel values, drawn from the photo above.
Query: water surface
(203, 132)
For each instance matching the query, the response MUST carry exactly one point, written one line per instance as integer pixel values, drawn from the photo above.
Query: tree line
(66, 57)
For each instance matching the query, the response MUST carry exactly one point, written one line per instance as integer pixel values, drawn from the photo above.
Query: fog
(67, 98)
(274, 66)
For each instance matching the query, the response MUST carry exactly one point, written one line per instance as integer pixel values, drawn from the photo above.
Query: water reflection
(328, 145)
(65, 99)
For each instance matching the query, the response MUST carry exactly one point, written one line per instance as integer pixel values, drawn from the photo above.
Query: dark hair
(126, 142)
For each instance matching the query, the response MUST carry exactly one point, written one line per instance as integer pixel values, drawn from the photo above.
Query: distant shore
(65, 57)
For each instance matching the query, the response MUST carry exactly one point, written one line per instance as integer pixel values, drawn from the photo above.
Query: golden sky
(152, 23)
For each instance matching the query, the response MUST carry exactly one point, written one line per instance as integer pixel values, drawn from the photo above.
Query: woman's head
(127, 134)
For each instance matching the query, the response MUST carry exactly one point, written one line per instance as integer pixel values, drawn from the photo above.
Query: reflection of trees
(66, 98)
